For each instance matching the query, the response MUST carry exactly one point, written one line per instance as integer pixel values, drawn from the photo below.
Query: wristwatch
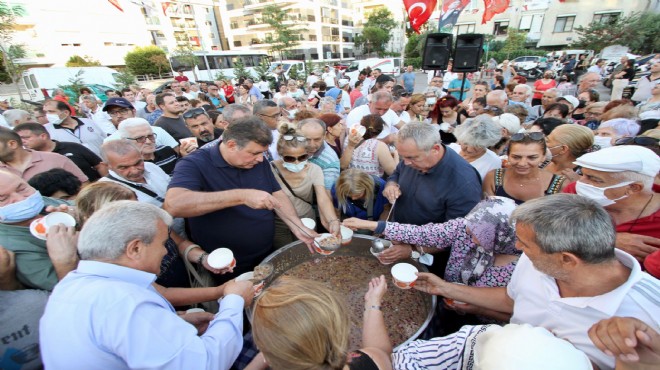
(414, 254)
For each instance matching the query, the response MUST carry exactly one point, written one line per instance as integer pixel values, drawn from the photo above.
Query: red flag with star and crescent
(493, 7)
(419, 11)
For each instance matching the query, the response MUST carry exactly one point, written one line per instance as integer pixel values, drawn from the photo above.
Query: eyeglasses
(143, 139)
(117, 112)
(535, 136)
(301, 139)
(493, 109)
(192, 113)
(637, 140)
(278, 114)
(403, 94)
(291, 159)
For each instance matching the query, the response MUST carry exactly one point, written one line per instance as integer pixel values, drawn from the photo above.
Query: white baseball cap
(622, 158)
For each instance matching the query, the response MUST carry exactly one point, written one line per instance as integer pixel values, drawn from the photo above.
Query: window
(605, 18)
(237, 43)
(464, 28)
(501, 28)
(564, 23)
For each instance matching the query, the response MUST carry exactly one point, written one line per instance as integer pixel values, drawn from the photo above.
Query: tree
(9, 51)
(124, 79)
(72, 89)
(78, 61)
(376, 32)
(240, 71)
(514, 41)
(185, 55)
(637, 31)
(160, 61)
(284, 36)
(139, 61)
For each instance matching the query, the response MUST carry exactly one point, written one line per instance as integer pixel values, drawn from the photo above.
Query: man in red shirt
(181, 77)
(620, 178)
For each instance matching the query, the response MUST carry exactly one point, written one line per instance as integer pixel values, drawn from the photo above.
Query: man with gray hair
(234, 112)
(497, 98)
(569, 277)
(139, 131)
(380, 104)
(228, 193)
(107, 314)
(620, 178)
(430, 184)
(289, 107)
(268, 111)
(522, 95)
(548, 98)
(15, 117)
(319, 151)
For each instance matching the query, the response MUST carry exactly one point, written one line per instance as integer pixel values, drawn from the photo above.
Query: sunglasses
(403, 94)
(535, 136)
(301, 139)
(291, 159)
(637, 140)
(192, 113)
(143, 139)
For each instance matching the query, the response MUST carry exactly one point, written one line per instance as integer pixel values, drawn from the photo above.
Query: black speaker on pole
(437, 51)
(467, 53)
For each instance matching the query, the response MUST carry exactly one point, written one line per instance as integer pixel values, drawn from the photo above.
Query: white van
(286, 66)
(40, 82)
(389, 66)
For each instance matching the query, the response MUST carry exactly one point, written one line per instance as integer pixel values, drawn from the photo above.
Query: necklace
(640, 213)
(521, 184)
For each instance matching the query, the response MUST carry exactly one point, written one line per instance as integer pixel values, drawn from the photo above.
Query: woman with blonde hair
(358, 194)
(366, 152)
(302, 324)
(416, 108)
(566, 143)
(302, 182)
(94, 196)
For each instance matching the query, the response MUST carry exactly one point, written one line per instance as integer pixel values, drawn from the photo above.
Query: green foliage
(10, 71)
(309, 68)
(186, 55)
(140, 61)
(240, 71)
(262, 69)
(376, 32)
(284, 36)
(514, 41)
(638, 31)
(78, 61)
(220, 76)
(76, 83)
(416, 62)
(294, 74)
(160, 61)
(124, 79)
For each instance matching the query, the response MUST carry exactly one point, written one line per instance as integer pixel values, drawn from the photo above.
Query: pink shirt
(44, 161)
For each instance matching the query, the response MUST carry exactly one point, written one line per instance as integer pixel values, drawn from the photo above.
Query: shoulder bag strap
(277, 170)
(138, 188)
(191, 269)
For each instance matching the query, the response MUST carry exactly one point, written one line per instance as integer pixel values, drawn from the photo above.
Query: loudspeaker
(437, 50)
(467, 53)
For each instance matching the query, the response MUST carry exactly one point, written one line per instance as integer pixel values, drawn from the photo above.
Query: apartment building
(551, 24)
(54, 31)
(326, 27)
(398, 35)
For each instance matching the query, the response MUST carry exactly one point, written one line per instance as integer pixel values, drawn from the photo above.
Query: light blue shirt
(105, 316)
(327, 159)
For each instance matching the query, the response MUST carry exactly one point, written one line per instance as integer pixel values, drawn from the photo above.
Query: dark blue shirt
(247, 232)
(448, 190)
(359, 209)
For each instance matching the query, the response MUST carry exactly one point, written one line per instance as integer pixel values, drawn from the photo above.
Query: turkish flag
(494, 7)
(115, 3)
(419, 11)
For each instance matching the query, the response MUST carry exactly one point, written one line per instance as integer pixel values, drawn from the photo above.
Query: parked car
(526, 62)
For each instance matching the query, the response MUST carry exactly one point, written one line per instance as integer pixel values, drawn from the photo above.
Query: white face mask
(292, 113)
(54, 119)
(430, 101)
(598, 194)
(295, 167)
(603, 141)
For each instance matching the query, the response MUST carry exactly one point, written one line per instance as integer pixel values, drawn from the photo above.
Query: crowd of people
(534, 209)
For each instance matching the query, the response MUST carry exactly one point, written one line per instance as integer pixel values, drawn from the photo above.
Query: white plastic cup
(404, 275)
(318, 241)
(308, 223)
(346, 235)
(56, 218)
(193, 310)
(221, 258)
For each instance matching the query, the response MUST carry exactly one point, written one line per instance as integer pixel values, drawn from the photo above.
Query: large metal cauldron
(296, 253)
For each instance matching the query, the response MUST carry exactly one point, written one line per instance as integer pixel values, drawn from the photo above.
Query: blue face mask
(23, 210)
(295, 167)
